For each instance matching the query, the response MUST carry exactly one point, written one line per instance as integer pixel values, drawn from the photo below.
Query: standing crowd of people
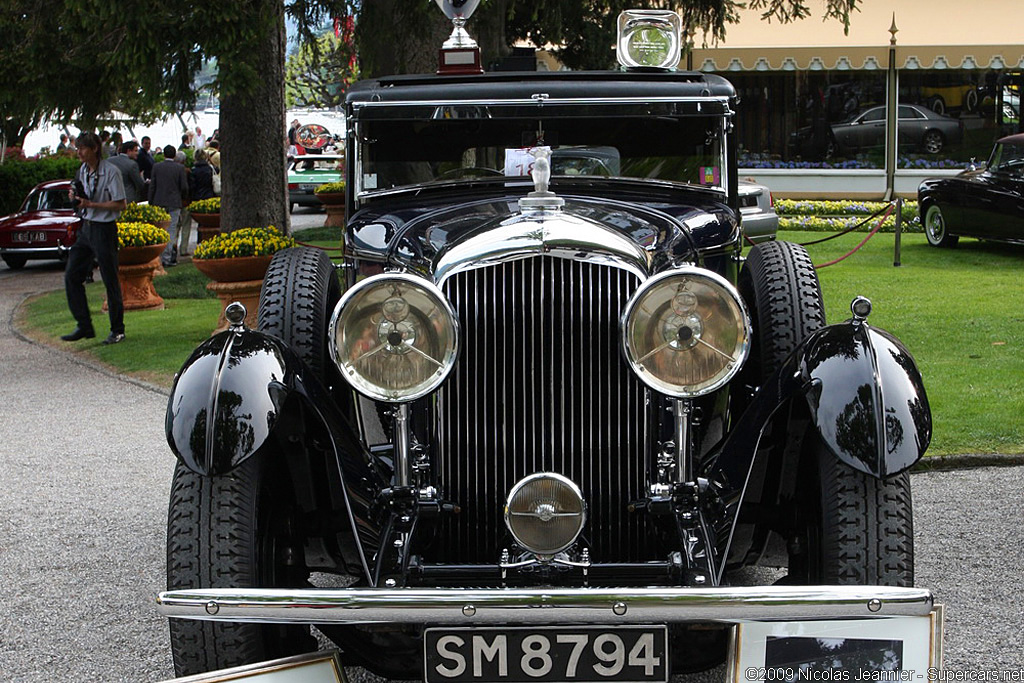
(113, 174)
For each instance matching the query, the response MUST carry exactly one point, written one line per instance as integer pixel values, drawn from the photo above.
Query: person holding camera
(98, 195)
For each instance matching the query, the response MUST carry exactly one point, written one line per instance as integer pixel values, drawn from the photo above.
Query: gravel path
(85, 473)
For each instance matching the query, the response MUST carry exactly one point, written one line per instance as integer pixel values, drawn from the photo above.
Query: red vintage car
(44, 227)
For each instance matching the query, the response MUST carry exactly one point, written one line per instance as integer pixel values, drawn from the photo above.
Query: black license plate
(29, 237)
(634, 654)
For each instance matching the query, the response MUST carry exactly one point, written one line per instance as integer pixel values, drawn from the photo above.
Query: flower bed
(826, 216)
(331, 188)
(911, 161)
(211, 205)
(140, 234)
(243, 242)
(144, 213)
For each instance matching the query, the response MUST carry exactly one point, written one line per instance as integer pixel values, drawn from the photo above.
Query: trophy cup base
(459, 61)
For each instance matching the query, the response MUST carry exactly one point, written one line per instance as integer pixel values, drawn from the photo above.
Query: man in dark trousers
(99, 192)
(168, 189)
(131, 176)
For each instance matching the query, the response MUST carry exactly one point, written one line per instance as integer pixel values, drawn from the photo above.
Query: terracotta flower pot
(237, 269)
(135, 269)
(331, 197)
(334, 204)
(209, 225)
(207, 220)
(133, 256)
(236, 279)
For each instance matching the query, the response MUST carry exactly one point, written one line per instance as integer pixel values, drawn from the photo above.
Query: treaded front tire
(298, 297)
(781, 289)
(867, 527)
(221, 533)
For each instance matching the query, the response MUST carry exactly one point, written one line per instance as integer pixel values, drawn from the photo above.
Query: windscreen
(478, 143)
(42, 200)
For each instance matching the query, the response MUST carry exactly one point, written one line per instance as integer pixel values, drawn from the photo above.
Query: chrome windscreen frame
(425, 110)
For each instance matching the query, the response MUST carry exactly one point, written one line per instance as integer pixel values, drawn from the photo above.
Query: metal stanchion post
(899, 230)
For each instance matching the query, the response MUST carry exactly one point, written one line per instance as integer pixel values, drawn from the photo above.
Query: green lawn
(959, 311)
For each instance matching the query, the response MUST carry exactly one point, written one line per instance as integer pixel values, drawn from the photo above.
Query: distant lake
(169, 131)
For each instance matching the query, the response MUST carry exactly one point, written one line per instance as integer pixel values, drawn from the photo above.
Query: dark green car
(308, 172)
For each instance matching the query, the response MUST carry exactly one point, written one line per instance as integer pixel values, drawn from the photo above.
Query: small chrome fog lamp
(686, 332)
(395, 337)
(545, 513)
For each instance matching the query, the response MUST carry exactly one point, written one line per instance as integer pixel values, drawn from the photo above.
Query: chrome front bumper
(467, 607)
(36, 252)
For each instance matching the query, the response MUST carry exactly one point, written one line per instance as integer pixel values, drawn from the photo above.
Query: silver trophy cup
(458, 11)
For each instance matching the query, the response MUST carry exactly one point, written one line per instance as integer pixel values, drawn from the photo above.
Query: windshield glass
(41, 200)
(474, 142)
(1008, 158)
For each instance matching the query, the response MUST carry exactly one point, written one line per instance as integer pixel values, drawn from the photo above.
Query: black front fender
(866, 397)
(240, 387)
(227, 399)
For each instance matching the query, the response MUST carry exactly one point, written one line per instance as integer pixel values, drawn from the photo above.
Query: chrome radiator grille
(540, 385)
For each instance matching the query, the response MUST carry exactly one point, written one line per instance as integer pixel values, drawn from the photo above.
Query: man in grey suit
(131, 176)
(168, 189)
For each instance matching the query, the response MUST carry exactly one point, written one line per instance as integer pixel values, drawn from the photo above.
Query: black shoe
(79, 333)
(114, 338)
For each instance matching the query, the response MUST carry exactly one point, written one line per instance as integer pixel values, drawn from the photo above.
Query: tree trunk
(415, 32)
(252, 135)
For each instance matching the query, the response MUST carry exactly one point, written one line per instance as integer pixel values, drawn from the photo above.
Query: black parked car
(987, 203)
(545, 391)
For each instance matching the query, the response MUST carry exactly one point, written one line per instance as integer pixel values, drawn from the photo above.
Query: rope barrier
(317, 246)
(862, 242)
(845, 231)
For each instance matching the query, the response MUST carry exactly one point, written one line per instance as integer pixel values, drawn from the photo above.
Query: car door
(1006, 205)
(869, 130)
(994, 205)
(912, 124)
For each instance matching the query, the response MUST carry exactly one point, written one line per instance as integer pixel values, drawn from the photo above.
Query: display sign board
(887, 649)
(315, 667)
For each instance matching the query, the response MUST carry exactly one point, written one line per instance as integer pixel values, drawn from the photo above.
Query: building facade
(813, 98)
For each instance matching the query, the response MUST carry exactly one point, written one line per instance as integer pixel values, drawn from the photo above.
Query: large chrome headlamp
(395, 337)
(545, 513)
(686, 332)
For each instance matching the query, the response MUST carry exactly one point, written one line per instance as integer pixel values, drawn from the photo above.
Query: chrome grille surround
(540, 385)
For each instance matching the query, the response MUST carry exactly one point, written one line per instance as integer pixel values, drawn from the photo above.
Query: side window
(908, 113)
(874, 115)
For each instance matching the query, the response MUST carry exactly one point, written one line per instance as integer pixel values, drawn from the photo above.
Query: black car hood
(436, 234)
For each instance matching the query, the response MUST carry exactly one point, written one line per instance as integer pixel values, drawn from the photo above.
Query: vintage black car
(986, 202)
(540, 419)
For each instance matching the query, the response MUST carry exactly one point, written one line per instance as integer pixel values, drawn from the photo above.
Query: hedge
(17, 177)
(825, 216)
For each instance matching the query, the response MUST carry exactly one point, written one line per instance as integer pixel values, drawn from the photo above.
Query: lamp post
(891, 119)
(688, 46)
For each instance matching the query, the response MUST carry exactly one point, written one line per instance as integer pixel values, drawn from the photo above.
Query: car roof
(53, 185)
(505, 85)
(1015, 139)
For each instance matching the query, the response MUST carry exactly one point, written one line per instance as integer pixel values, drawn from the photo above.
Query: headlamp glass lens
(686, 333)
(394, 337)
